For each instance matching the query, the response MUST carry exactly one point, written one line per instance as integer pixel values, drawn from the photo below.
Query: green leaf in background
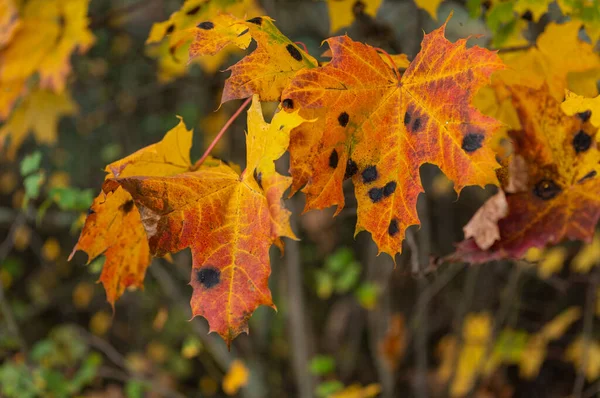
(367, 294)
(32, 184)
(324, 281)
(31, 163)
(134, 389)
(74, 199)
(348, 278)
(322, 365)
(327, 388)
(339, 259)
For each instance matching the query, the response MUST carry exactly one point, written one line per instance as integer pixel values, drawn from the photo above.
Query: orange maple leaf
(113, 226)
(379, 128)
(556, 196)
(228, 220)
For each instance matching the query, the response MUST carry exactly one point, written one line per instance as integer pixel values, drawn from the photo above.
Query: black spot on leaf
(333, 159)
(407, 118)
(376, 194)
(389, 188)
(258, 178)
(351, 169)
(170, 29)
(90, 211)
(527, 16)
(343, 119)
(393, 228)
(546, 189)
(207, 25)
(208, 277)
(294, 52)
(193, 11)
(127, 206)
(416, 125)
(582, 141)
(243, 33)
(288, 103)
(585, 116)
(586, 177)
(256, 21)
(369, 174)
(472, 142)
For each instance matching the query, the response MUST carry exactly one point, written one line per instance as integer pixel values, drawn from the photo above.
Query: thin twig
(588, 325)
(220, 134)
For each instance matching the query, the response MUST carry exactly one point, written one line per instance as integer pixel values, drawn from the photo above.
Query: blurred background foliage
(349, 323)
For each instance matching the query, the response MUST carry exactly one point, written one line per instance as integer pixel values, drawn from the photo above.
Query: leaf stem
(303, 46)
(197, 165)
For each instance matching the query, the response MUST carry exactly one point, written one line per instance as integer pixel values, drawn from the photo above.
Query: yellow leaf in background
(557, 326)
(9, 20)
(342, 12)
(534, 254)
(533, 357)
(39, 114)
(578, 104)
(579, 353)
(552, 262)
(100, 323)
(431, 6)
(358, 391)
(557, 53)
(236, 377)
(82, 295)
(54, 29)
(160, 319)
(51, 249)
(157, 352)
(59, 179)
(588, 256)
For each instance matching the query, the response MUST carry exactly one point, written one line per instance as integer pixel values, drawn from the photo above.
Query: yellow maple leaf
(9, 20)
(38, 114)
(431, 6)
(343, 12)
(237, 377)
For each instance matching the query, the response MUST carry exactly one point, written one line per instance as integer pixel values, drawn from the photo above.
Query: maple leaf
(559, 200)
(267, 70)
(343, 12)
(113, 226)
(228, 220)
(169, 41)
(39, 114)
(431, 6)
(382, 128)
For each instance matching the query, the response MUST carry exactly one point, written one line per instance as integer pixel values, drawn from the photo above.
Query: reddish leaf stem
(382, 51)
(303, 46)
(196, 165)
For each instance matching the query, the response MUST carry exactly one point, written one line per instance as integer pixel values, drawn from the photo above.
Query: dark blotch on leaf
(393, 228)
(586, 177)
(193, 11)
(416, 125)
(343, 119)
(527, 16)
(407, 118)
(351, 169)
(376, 194)
(546, 189)
(333, 159)
(585, 116)
(582, 141)
(170, 29)
(288, 104)
(369, 174)
(294, 52)
(207, 25)
(208, 277)
(389, 188)
(127, 206)
(472, 142)
(90, 212)
(256, 21)
(258, 178)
